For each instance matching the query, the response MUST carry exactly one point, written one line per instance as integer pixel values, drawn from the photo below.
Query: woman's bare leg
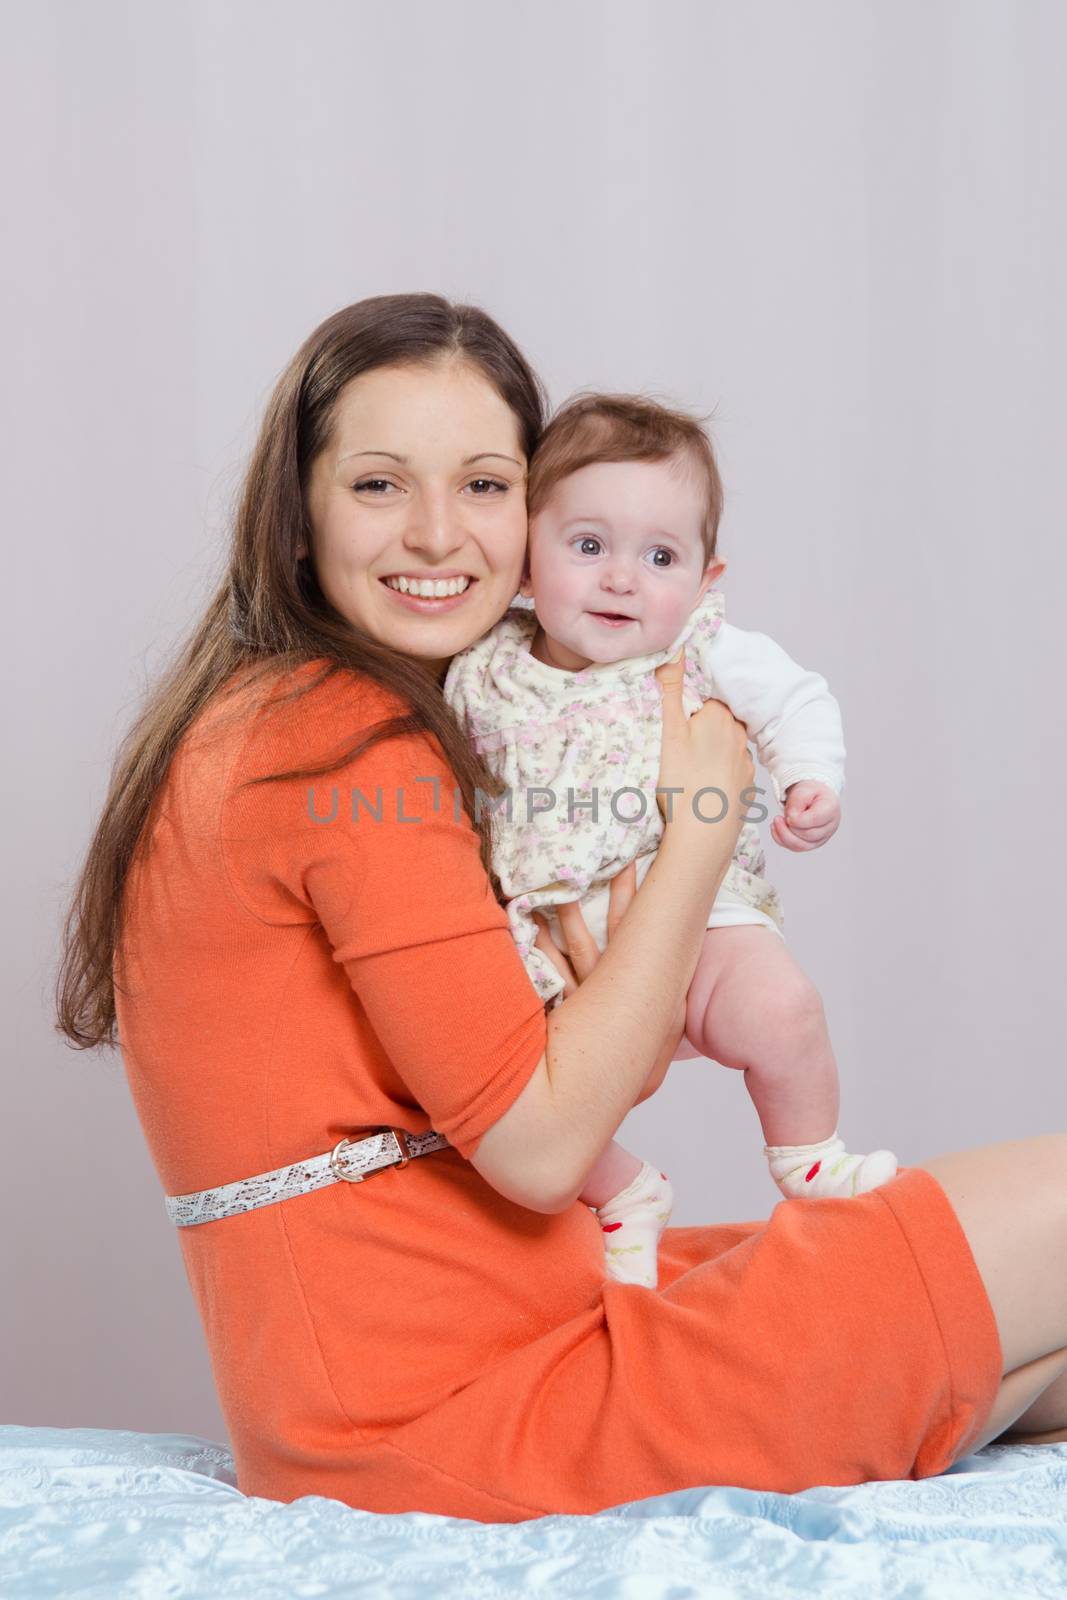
(1011, 1201)
(1045, 1421)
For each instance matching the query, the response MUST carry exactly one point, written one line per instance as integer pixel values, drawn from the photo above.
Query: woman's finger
(621, 893)
(581, 946)
(550, 949)
(670, 675)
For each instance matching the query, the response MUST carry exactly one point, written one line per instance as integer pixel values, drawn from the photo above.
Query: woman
(286, 907)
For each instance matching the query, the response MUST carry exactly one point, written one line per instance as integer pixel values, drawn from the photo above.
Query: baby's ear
(712, 573)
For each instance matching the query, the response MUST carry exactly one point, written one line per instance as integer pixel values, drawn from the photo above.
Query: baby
(625, 499)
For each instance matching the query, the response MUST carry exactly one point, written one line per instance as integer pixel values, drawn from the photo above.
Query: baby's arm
(791, 716)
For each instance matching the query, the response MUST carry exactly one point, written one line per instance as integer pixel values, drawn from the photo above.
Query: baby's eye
(588, 539)
(660, 550)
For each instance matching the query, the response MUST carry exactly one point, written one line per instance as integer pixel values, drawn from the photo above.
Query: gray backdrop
(841, 225)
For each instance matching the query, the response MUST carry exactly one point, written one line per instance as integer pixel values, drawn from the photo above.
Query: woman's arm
(605, 1040)
(661, 1065)
(622, 890)
(439, 986)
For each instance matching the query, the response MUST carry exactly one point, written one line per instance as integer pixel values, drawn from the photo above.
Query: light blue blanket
(90, 1512)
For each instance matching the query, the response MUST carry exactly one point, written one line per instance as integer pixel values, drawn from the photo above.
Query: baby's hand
(812, 813)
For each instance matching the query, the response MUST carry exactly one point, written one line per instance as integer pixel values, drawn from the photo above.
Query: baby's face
(618, 539)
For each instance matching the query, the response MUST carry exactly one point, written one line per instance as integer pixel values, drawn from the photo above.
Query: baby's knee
(793, 1006)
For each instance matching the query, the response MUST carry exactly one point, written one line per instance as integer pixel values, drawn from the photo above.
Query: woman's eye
(492, 482)
(376, 485)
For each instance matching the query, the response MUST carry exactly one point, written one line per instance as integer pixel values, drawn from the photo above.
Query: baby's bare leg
(632, 1202)
(751, 1007)
(614, 1169)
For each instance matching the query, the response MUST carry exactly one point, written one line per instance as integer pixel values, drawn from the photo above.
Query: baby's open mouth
(611, 616)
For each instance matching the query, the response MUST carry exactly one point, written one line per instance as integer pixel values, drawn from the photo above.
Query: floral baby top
(580, 751)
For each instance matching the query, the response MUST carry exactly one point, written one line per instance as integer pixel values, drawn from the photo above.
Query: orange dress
(416, 1341)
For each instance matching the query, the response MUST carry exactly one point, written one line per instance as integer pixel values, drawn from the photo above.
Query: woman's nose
(435, 526)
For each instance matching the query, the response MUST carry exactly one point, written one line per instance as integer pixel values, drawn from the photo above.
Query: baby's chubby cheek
(552, 583)
(662, 619)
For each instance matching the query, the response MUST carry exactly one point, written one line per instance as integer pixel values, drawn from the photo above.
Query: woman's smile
(412, 597)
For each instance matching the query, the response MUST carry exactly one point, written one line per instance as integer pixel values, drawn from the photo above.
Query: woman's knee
(1011, 1202)
(1018, 1404)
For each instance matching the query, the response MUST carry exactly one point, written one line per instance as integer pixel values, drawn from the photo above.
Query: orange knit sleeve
(381, 855)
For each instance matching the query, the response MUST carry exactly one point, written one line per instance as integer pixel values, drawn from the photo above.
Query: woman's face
(424, 478)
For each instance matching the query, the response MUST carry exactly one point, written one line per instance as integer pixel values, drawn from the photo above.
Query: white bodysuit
(580, 752)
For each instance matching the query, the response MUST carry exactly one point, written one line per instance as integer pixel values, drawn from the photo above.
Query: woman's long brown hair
(269, 616)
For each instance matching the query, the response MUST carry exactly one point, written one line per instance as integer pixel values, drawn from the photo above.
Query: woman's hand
(582, 951)
(583, 956)
(708, 750)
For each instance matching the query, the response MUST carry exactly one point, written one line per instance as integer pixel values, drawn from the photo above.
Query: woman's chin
(434, 632)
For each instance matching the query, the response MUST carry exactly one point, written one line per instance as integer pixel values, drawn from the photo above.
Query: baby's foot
(815, 1170)
(632, 1222)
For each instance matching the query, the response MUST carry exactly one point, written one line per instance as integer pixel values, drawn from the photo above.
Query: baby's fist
(812, 814)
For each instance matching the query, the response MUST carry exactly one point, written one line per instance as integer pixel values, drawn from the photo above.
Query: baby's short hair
(593, 427)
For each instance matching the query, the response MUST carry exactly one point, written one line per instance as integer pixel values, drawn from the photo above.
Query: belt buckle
(357, 1177)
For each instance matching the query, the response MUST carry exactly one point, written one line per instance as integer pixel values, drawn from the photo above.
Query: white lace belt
(390, 1147)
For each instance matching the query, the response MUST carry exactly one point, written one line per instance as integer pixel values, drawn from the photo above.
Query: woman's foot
(632, 1222)
(813, 1171)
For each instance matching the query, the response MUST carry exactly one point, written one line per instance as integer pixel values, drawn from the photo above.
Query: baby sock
(827, 1168)
(632, 1222)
